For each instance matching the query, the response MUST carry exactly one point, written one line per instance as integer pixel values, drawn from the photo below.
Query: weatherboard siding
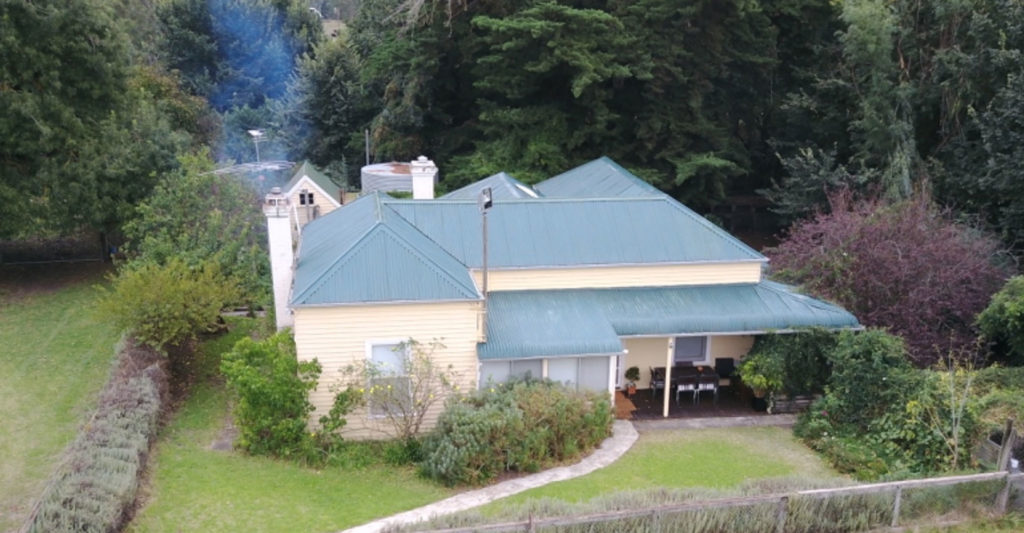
(647, 352)
(620, 276)
(734, 346)
(337, 336)
(644, 353)
(304, 212)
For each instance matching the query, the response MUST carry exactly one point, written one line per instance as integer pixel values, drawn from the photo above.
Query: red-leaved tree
(906, 266)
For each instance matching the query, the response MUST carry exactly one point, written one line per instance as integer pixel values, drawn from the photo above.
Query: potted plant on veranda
(632, 376)
(763, 373)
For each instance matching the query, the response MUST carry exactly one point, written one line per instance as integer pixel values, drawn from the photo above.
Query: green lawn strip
(195, 488)
(54, 359)
(705, 458)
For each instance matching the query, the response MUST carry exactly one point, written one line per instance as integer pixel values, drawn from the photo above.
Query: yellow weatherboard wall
(644, 353)
(735, 346)
(647, 352)
(599, 277)
(337, 336)
(304, 212)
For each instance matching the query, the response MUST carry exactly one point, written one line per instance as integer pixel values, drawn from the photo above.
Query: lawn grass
(719, 458)
(55, 355)
(196, 488)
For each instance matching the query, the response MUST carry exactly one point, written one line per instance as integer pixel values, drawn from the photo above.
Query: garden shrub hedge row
(521, 426)
(95, 487)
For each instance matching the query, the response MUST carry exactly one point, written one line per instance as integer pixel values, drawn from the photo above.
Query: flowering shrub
(404, 396)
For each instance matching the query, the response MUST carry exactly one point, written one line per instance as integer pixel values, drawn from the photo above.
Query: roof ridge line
(430, 263)
(323, 272)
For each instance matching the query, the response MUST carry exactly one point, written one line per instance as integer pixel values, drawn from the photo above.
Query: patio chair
(657, 379)
(725, 367)
(687, 384)
(707, 382)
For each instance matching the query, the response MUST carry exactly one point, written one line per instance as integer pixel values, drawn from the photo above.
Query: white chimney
(424, 175)
(279, 237)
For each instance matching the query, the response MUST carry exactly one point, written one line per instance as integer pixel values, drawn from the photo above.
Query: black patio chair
(657, 379)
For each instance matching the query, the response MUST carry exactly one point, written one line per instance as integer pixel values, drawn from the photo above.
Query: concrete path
(623, 437)
(644, 426)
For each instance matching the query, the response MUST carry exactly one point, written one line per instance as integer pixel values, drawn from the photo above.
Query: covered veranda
(661, 330)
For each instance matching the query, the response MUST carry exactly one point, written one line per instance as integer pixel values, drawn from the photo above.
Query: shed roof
(600, 178)
(503, 187)
(523, 324)
(319, 178)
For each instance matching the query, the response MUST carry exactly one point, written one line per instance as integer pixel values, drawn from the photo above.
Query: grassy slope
(711, 458)
(195, 488)
(54, 358)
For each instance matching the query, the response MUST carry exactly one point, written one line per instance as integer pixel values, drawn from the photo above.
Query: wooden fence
(781, 501)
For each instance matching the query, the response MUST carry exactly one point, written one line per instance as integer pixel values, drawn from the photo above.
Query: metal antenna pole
(484, 202)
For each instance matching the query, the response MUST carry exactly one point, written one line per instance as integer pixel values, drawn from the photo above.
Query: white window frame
(705, 352)
(369, 360)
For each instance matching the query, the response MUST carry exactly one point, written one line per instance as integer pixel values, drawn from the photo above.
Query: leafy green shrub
(272, 388)
(762, 371)
(475, 439)
(200, 218)
(167, 305)
(796, 363)
(520, 426)
(996, 377)
(881, 417)
(95, 487)
(871, 374)
(1002, 322)
(998, 399)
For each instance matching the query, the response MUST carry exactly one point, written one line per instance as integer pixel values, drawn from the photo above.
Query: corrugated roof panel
(600, 178)
(503, 187)
(364, 252)
(551, 233)
(384, 267)
(526, 324)
(545, 325)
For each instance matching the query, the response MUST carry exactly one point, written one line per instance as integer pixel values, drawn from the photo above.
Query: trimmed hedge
(520, 426)
(95, 487)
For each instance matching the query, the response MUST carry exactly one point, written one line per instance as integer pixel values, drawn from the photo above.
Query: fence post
(1009, 436)
(1004, 451)
(780, 517)
(896, 506)
(530, 526)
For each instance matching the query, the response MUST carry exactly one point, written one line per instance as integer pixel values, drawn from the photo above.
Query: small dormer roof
(326, 185)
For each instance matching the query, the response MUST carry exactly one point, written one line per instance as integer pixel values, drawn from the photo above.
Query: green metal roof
(523, 324)
(546, 232)
(503, 187)
(600, 178)
(380, 248)
(321, 180)
(366, 253)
